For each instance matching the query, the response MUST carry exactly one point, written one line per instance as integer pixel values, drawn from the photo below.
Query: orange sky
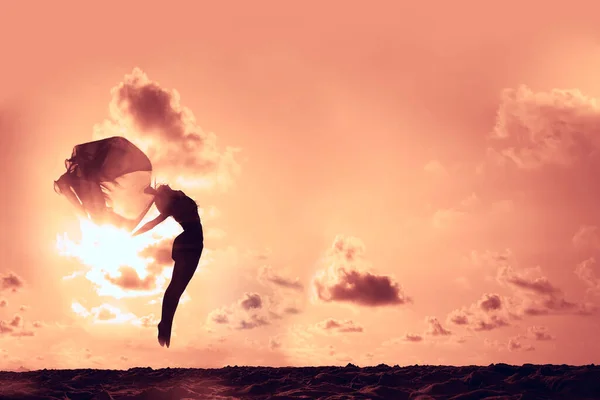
(403, 184)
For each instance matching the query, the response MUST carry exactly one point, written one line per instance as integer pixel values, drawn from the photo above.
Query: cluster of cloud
(109, 314)
(251, 311)
(346, 278)
(153, 118)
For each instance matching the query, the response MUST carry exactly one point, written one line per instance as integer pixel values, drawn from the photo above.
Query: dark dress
(188, 246)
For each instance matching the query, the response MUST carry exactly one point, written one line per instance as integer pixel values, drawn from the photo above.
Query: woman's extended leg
(183, 271)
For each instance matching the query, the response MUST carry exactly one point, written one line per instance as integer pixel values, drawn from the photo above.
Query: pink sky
(398, 184)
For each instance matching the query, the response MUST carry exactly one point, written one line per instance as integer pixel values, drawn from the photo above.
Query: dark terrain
(496, 381)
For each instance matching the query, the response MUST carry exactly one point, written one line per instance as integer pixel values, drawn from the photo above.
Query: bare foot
(164, 335)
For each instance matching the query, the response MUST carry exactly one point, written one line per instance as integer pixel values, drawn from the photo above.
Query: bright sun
(106, 251)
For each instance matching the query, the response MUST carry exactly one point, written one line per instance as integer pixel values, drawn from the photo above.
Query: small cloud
(266, 274)
(251, 301)
(274, 343)
(11, 282)
(586, 237)
(436, 328)
(435, 168)
(539, 333)
(129, 279)
(3, 303)
(333, 325)
(346, 280)
(254, 321)
(490, 302)
(413, 337)
(515, 345)
(219, 316)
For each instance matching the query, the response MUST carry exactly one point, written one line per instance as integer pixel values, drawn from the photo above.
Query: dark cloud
(436, 328)
(37, 324)
(345, 280)
(251, 301)
(155, 120)
(291, 310)
(254, 321)
(490, 302)
(3, 303)
(412, 337)
(334, 325)
(486, 314)
(219, 317)
(11, 282)
(266, 274)
(130, 280)
(539, 285)
(541, 296)
(534, 129)
(9, 327)
(493, 322)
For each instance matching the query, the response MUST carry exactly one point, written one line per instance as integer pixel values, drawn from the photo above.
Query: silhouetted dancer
(187, 249)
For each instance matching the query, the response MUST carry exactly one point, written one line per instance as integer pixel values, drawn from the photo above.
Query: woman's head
(162, 197)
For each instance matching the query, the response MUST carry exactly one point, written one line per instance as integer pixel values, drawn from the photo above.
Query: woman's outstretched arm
(150, 224)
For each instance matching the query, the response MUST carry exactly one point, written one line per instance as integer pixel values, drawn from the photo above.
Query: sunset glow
(396, 182)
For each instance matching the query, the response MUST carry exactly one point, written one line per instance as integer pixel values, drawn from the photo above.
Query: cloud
(160, 253)
(219, 316)
(524, 281)
(436, 328)
(587, 236)
(274, 343)
(585, 271)
(9, 327)
(490, 259)
(253, 321)
(249, 312)
(106, 313)
(3, 303)
(267, 275)
(333, 325)
(539, 333)
(490, 302)
(515, 345)
(153, 118)
(130, 280)
(347, 280)
(251, 301)
(540, 296)
(413, 337)
(435, 168)
(11, 282)
(488, 313)
(534, 129)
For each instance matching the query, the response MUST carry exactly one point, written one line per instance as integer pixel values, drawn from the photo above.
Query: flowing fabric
(106, 180)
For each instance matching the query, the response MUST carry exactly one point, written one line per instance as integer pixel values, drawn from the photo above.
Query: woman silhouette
(187, 249)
